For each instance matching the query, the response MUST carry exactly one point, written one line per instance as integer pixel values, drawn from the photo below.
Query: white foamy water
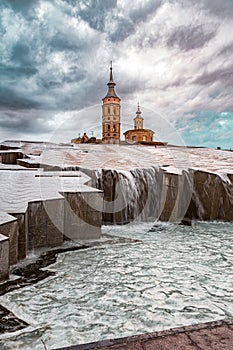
(175, 276)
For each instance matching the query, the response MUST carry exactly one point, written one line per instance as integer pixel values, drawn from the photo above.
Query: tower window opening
(108, 127)
(115, 111)
(108, 110)
(114, 128)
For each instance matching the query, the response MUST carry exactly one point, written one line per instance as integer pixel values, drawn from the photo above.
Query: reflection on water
(175, 276)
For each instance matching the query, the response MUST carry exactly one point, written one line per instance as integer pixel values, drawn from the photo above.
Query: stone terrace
(42, 212)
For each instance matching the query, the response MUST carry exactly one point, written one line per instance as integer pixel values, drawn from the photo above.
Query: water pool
(174, 276)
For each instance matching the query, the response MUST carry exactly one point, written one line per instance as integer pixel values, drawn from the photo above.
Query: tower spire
(111, 75)
(138, 120)
(111, 91)
(138, 111)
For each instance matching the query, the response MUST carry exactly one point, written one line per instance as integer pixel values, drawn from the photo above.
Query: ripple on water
(177, 276)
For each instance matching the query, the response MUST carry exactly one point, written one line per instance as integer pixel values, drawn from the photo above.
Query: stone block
(4, 257)
(83, 219)
(45, 223)
(22, 235)
(10, 230)
(54, 235)
(37, 237)
(11, 157)
(212, 197)
(36, 213)
(176, 197)
(54, 212)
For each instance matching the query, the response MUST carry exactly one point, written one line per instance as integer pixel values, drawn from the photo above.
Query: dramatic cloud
(189, 38)
(174, 56)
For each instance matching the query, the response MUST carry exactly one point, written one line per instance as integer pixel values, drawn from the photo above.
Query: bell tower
(138, 120)
(111, 114)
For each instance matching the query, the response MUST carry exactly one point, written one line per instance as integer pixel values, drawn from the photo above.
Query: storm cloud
(174, 56)
(189, 38)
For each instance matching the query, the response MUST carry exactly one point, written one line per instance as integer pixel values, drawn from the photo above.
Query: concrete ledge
(205, 336)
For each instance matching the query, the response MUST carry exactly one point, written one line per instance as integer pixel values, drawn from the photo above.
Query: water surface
(175, 276)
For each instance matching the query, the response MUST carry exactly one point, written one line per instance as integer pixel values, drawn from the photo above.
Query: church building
(139, 134)
(111, 122)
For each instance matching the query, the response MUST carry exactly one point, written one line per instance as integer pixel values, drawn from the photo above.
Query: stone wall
(11, 157)
(197, 195)
(143, 193)
(22, 235)
(10, 230)
(177, 194)
(45, 223)
(212, 197)
(83, 215)
(4, 257)
(130, 195)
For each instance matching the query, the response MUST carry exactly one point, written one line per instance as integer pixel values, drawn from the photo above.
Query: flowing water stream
(174, 276)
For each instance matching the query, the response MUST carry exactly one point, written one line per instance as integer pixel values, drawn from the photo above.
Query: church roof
(138, 113)
(111, 91)
(138, 130)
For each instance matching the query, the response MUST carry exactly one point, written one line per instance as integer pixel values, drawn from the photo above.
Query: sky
(173, 56)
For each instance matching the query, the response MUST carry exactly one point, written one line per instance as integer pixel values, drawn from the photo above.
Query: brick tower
(111, 111)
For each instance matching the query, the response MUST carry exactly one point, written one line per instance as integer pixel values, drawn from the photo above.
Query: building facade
(111, 114)
(139, 134)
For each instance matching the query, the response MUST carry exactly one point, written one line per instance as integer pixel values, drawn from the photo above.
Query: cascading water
(173, 276)
(130, 195)
(148, 194)
(212, 197)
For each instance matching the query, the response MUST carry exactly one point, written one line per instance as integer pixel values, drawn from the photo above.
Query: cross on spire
(138, 111)
(111, 75)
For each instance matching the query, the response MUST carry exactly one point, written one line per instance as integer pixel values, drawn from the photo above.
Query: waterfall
(212, 197)
(133, 195)
(149, 194)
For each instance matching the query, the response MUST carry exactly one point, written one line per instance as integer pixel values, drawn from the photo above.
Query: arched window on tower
(108, 127)
(108, 110)
(114, 110)
(114, 128)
